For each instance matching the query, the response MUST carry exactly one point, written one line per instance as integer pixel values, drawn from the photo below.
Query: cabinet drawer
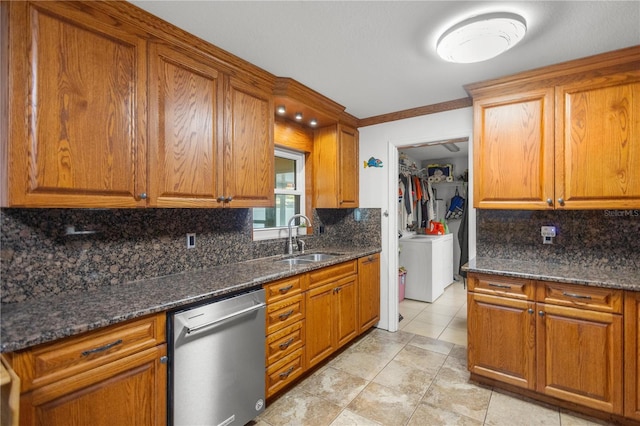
(581, 296)
(284, 372)
(285, 341)
(282, 289)
(517, 288)
(52, 362)
(332, 273)
(284, 313)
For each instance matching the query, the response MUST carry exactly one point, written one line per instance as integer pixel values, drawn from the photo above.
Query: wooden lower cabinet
(331, 318)
(566, 342)
(501, 339)
(580, 356)
(131, 390)
(632, 355)
(311, 315)
(368, 291)
(111, 376)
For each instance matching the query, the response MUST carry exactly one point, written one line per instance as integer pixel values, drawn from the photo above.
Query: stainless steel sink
(316, 257)
(294, 261)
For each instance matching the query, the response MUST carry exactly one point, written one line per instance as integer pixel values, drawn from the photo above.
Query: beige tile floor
(416, 376)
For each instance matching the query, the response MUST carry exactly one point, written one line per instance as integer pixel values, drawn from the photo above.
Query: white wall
(378, 186)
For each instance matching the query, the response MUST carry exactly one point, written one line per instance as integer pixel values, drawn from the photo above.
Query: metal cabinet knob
(549, 201)
(143, 196)
(561, 201)
(229, 199)
(220, 199)
(541, 313)
(530, 310)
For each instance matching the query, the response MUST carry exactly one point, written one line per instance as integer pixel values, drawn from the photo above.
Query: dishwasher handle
(245, 311)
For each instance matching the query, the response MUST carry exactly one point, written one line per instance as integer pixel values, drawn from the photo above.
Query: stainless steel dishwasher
(217, 362)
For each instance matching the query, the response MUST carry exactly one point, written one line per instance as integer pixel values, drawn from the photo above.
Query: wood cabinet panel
(632, 355)
(513, 151)
(580, 296)
(501, 339)
(502, 286)
(284, 288)
(368, 291)
(346, 310)
(580, 356)
(348, 167)
(589, 171)
(284, 313)
(249, 147)
(320, 323)
(185, 92)
(334, 272)
(131, 390)
(335, 167)
(284, 372)
(77, 113)
(283, 342)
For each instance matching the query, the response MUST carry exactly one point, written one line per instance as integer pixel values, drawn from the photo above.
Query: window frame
(260, 234)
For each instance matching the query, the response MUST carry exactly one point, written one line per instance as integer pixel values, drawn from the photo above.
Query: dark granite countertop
(50, 318)
(620, 278)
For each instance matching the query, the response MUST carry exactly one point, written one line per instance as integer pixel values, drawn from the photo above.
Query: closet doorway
(446, 164)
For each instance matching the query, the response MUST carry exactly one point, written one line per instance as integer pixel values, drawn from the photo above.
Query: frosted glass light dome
(481, 37)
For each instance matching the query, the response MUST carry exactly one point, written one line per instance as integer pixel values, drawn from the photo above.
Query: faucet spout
(289, 225)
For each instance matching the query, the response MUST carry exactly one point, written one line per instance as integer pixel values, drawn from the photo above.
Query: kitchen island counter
(618, 278)
(53, 317)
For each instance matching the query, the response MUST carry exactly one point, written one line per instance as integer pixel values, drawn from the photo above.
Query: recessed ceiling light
(481, 37)
(298, 116)
(281, 109)
(313, 122)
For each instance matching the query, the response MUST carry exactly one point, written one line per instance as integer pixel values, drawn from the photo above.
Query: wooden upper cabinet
(75, 133)
(87, 120)
(598, 142)
(335, 167)
(185, 96)
(249, 147)
(513, 151)
(561, 137)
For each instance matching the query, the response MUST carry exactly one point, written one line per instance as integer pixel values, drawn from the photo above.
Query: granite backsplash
(37, 258)
(599, 238)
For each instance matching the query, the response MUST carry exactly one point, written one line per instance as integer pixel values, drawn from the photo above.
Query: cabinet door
(346, 310)
(320, 309)
(77, 84)
(513, 151)
(368, 291)
(131, 391)
(335, 167)
(598, 143)
(348, 167)
(580, 356)
(249, 151)
(632, 355)
(501, 339)
(185, 92)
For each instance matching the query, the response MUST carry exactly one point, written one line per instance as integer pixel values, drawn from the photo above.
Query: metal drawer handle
(286, 344)
(102, 348)
(285, 315)
(499, 285)
(576, 296)
(283, 290)
(286, 373)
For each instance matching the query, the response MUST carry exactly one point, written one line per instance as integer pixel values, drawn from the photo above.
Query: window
(271, 222)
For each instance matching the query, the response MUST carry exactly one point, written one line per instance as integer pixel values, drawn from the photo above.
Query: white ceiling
(379, 57)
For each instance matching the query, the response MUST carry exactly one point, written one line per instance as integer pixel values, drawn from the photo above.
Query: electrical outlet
(191, 240)
(548, 234)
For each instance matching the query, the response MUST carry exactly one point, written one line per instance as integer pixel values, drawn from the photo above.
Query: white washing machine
(429, 263)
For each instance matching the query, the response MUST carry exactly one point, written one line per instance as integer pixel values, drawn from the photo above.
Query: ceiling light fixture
(481, 37)
(451, 147)
(281, 109)
(313, 122)
(298, 116)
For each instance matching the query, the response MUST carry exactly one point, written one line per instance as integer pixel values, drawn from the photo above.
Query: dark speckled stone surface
(593, 247)
(54, 285)
(46, 319)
